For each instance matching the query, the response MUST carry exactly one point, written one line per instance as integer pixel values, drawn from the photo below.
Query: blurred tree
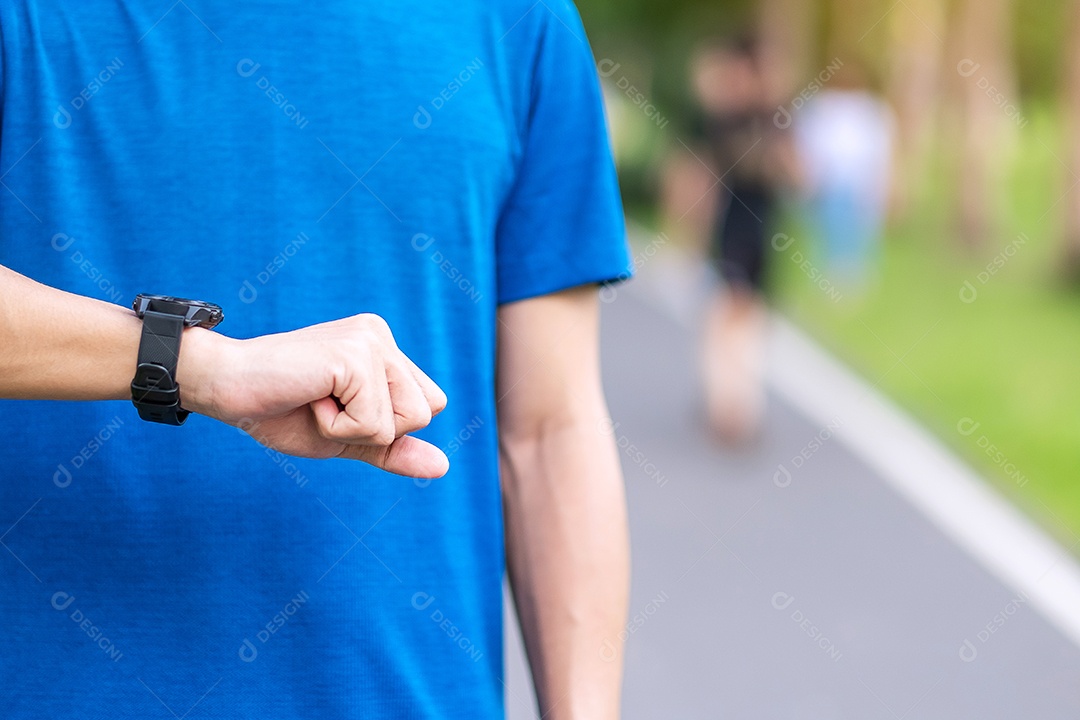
(982, 76)
(1071, 103)
(913, 86)
(948, 119)
(852, 26)
(786, 29)
(1040, 31)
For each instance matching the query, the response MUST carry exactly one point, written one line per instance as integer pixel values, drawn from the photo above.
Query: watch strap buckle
(156, 396)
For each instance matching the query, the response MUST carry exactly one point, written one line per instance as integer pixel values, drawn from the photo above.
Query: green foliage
(653, 41)
(1040, 35)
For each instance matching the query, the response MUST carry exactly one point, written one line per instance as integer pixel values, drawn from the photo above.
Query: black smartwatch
(154, 391)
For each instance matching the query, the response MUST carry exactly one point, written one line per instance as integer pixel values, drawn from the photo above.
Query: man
(749, 151)
(367, 190)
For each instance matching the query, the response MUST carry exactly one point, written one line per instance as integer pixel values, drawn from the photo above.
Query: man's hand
(339, 389)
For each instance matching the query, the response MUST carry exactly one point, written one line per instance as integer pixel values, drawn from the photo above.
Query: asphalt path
(815, 594)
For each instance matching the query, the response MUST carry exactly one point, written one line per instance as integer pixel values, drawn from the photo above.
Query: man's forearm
(337, 389)
(58, 346)
(568, 559)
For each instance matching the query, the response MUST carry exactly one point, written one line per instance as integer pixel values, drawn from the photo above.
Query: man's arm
(566, 529)
(339, 389)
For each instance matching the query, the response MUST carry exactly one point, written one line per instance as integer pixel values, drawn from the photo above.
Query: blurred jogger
(845, 138)
(751, 161)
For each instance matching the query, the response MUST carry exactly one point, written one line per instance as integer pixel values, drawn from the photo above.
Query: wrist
(200, 369)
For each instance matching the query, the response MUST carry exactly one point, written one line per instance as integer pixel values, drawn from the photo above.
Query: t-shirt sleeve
(562, 223)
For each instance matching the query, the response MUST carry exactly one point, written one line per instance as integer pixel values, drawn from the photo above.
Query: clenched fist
(338, 389)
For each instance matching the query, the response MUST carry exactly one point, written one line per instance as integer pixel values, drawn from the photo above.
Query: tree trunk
(915, 47)
(786, 32)
(983, 80)
(855, 29)
(1071, 103)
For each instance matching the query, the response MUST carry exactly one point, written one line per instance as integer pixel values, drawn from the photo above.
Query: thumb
(407, 455)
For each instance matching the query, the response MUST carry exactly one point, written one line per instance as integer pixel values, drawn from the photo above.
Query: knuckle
(374, 431)
(384, 437)
(416, 418)
(376, 324)
(365, 428)
(327, 431)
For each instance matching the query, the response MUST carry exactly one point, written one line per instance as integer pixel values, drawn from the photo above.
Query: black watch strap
(154, 391)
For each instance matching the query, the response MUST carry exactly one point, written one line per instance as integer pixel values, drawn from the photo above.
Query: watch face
(194, 312)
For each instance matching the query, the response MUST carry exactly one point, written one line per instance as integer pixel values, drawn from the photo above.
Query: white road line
(919, 467)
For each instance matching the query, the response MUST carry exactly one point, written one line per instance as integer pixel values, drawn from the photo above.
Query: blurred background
(843, 382)
(971, 272)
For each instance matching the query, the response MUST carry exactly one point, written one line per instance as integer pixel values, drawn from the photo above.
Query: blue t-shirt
(295, 163)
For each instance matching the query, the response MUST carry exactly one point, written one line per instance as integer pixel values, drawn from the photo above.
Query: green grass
(1009, 361)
